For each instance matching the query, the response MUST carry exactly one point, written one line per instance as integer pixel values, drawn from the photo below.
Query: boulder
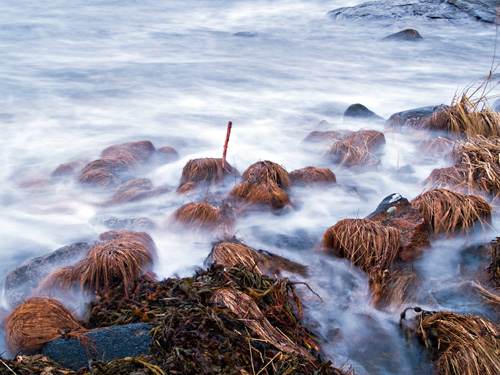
(407, 34)
(404, 10)
(396, 211)
(167, 154)
(106, 344)
(412, 119)
(359, 111)
(22, 280)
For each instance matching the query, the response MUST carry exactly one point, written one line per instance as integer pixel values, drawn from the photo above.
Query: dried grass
(345, 154)
(199, 215)
(130, 236)
(245, 308)
(205, 171)
(61, 280)
(437, 147)
(267, 172)
(112, 262)
(312, 176)
(326, 136)
(234, 254)
(396, 290)
(37, 321)
(261, 194)
(451, 213)
(365, 243)
(462, 344)
(99, 177)
(140, 151)
(465, 117)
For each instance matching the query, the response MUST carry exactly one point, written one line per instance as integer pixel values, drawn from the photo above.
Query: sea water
(77, 77)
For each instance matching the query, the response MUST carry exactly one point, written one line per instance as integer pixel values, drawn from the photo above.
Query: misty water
(77, 77)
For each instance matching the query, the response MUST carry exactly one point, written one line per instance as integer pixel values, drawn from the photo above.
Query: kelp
(197, 332)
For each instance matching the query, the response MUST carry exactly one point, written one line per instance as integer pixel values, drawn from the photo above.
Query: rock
(134, 190)
(358, 111)
(128, 224)
(412, 119)
(108, 343)
(407, 34)
(245, 34)
(167, 154)
(396, 211)
(404, 10)
(326, 136)
(68, 169)
(22, 280)
(310, 176)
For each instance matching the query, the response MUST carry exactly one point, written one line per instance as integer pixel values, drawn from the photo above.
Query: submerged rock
(358, 111)
(412, 119)
(407, 34)
(23, 280)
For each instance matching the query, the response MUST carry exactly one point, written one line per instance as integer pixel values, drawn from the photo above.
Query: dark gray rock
(395, 10)
(245, 34)
(22, 280)
(407, 35)
(412, 118)
(107, 344)
(129, 224)
(359, 111)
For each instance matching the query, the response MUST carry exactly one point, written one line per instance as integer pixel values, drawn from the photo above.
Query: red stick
(225, 143)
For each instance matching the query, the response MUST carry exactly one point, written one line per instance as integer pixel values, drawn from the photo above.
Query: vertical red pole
(229, 125)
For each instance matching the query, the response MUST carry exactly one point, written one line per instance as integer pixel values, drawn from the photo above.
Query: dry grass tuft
(37, 321)
(98, 177)
(465, 117)
(233, 254)
(357, 149)
(245, 308)
(112, 262)
(130, 236)
(396, 289)
(312, 176)
(267, 172)
(62, 280)
(462, 344)
(326, 136)
(140, 151)
(203, 216)
(204, 171)
(261, 194)
(367, 244)
(437, 147)
(450, 213)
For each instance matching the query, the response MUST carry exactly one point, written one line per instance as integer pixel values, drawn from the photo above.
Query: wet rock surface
(397, 212)
(106, 344)
(412, 119)
(359, 111)
(22, 280)
(452, 10)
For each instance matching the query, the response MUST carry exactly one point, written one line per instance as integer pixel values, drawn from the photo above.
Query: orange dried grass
(365, 243)
(245, 308)
(200, 215)
(437, 147)
(233, 254)
(61, 280)
(139, 151)
(123, 235)
(112, 262)
(261, 194)
(267, 172)
(37, 321)
(205, 170)
(451, 213)
(462, 344)
(465, 117)
(312, 175)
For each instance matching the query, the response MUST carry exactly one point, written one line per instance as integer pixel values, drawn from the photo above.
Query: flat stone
(396, 211)
(108, 343)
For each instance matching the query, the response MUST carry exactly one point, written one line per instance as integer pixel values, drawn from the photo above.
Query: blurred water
(80, 76)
